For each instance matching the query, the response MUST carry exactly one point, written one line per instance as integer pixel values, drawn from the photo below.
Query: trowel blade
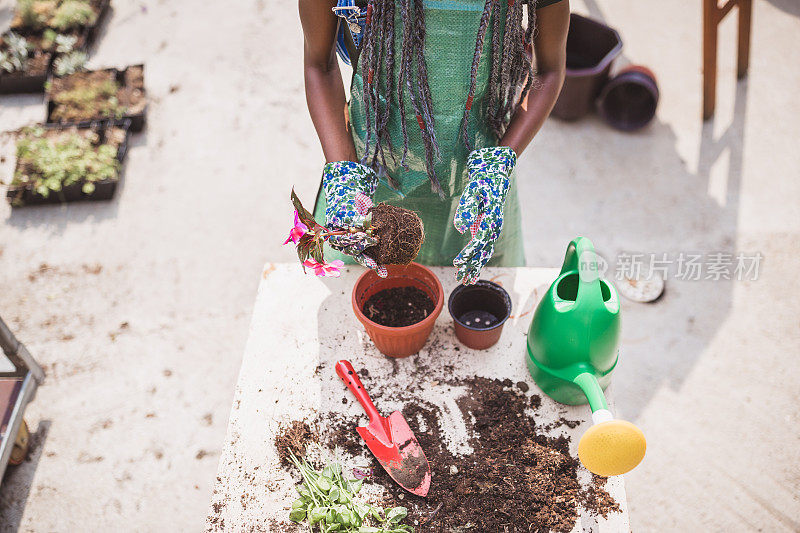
(403, 459)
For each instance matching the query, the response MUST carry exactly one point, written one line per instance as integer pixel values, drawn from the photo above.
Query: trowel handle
(345, 371)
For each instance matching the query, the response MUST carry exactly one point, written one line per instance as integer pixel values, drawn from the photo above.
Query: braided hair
(512, 74)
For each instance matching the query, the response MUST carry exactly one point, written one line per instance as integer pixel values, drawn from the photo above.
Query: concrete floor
(139, 308)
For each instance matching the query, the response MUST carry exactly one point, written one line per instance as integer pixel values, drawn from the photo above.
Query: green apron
(452, 27)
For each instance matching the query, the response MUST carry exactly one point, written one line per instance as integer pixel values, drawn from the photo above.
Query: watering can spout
(610, 447)
(591, 389)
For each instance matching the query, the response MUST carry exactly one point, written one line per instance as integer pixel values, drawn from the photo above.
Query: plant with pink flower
(325, 269)
(309, 236)
(298, 230)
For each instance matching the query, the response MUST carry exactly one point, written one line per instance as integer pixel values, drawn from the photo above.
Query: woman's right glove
(348, 188)
(480, 209)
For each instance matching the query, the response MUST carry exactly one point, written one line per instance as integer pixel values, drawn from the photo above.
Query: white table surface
(300, 321)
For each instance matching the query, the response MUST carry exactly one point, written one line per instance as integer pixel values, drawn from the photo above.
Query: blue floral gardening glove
(480, 209)
(348, 188)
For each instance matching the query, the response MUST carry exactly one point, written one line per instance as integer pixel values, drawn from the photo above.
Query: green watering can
(572, 351)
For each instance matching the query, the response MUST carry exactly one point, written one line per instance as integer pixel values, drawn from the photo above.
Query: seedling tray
(92, 30)
(23, 82)
(87, 33)
(137, 120)
(25, 195)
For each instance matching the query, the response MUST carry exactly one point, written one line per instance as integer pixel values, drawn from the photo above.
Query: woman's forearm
(533, 111)
(550, 50)
(324, 89)
(326, 103)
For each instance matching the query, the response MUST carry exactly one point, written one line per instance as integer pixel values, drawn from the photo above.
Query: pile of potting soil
(516, 480)
(398, 306)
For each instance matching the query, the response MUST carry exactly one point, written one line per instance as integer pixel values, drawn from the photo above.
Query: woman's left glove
(480, 209)
(348, 188)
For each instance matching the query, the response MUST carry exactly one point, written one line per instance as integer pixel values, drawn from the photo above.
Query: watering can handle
(581, 258)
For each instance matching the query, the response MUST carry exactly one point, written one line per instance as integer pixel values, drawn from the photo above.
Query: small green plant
(72, 14)
(34, 14)
(69, 63)
(61, 43)
(87, 102)
(15, 57)
(49, 38)
(328, 502)
(52, 163)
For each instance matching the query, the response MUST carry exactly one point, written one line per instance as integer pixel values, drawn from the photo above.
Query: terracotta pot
(406, 340)
(479, 312)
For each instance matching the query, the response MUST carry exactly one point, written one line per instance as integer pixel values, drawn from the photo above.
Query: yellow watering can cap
(612, 448)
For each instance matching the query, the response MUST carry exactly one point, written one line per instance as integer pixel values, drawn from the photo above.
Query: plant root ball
(399, 232)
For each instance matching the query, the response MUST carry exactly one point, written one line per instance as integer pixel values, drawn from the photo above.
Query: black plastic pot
(479, 312)
(137, 120)
(591, 49)
(21, 82)
(87, 33)
(628, 101)
(24, 195)
(92, 31)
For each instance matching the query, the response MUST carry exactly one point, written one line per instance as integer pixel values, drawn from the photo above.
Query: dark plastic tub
(628, 101)
(24, 195)
(137, 120)
(92, 31)
(19, 83)
(479, 312)
(87, 33)
(592, 47)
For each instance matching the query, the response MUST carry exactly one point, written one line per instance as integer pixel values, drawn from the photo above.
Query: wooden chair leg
(745, 22)
(709, 57)
(713, 13)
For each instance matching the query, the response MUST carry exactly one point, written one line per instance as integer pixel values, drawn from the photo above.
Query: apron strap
(352, 21)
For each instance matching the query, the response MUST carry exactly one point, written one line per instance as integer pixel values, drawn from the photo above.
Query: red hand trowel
(390, 439)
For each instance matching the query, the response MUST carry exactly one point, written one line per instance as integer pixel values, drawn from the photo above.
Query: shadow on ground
(18, 480)
(669, 208)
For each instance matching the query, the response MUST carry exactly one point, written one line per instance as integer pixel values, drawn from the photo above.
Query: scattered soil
(97, 94)
(295, 437)
(597, 500)
(398, 306)
(517, 480)
(400, 234)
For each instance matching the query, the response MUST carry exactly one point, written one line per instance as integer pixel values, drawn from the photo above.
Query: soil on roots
(294, 437)
(399, 232)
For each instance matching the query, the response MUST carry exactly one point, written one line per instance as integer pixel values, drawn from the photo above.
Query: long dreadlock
(512, 74)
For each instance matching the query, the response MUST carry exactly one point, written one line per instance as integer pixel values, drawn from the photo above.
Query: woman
(443, 100)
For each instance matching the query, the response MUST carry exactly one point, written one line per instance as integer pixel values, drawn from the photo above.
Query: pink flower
(325, 269)
(297, 231)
